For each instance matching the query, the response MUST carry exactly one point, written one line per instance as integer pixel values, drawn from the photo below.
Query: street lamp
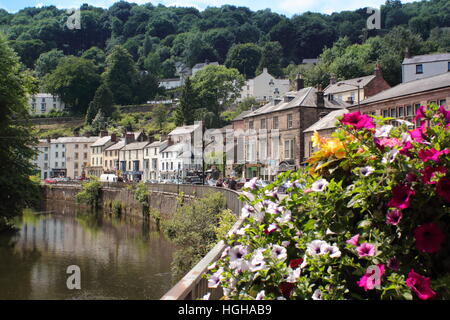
(356, 86)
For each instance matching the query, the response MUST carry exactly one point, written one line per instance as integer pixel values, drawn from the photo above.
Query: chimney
(163, 137)
(407, 53)
(320, 97)
(113, 137)
(333, 79)
(151, 139)
(103, 134)
(377, 71)
(299, 82)
(170, 140)
(129, 138)
(265, 70)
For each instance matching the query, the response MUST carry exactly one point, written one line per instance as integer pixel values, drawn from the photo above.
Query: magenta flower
(406, 147)
(443, 189)
(420, 285)
(387, 142)
(429, 237)
(353, 240)
(366, 250)
(358, 121)
(371, 278)
(420, 114)
(432, 154)
(429, 172)
(418, 134)
(393, 217)
(401, 197)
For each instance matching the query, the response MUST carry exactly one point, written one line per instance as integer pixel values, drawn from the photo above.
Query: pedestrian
(219, 183)
(232, 184)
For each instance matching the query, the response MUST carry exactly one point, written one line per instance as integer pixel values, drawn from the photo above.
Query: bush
(116, 208)
(192, 227)
(368, 219)
(90, 192)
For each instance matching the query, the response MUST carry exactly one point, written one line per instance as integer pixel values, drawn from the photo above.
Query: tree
(47, 62)
(75, 81)
(97, 56)
(270, 58)
(217, 87)
(146, 87)
(103, 101)
(159, 116)
(245, 58)
(184, 113)
(29, 50)
(120, 75)
(18, 190)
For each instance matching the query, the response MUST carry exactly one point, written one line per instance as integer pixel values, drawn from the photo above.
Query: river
(117, 259)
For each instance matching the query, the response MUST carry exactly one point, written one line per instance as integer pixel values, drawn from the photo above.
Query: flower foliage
(367, 219)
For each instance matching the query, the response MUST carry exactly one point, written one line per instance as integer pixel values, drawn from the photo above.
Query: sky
(287, 7)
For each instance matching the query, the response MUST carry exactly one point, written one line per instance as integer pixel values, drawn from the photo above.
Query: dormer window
(271, 83)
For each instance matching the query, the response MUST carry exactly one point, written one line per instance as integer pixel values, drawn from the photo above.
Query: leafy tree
(217, 88)
(18, 190)
(28, 50)
(47, 62)
(159, 115)
(242, 106)
(245, 58)
(184, 113)
(103, 101)
(75, 81)
(120, 75)
(146, 87)
(97, 56)
(270, 59)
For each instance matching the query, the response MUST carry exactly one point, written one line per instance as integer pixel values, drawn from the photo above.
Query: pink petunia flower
(387, 142)
(432, 154)
(401, 197)
(418, 134)
(366, 250)
(443, 189)
(429, 172)
(354, 240)
(394, 216)
(429, 237)
(420, 285)
(358, 121)
(420, 114)
(371, 278)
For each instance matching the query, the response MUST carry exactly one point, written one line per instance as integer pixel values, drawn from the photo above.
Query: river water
(117, 259)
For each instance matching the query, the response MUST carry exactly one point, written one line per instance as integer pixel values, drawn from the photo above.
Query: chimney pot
(299, 82)
(377, 71)
(333, 79)
(320, 97)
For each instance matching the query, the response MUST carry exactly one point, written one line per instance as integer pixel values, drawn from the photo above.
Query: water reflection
(118, 259)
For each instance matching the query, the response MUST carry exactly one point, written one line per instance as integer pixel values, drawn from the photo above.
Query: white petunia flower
(294, 275)
(247, 211)
(383, 132)
(206, 296)
(285, 217)
(261, 295)
(251, 184)
(279, 252)
(319, 186)
(333, 251)
(366, 171)
(390, 156)
(317, 295)
(316, 247)
(285, 243)
(237, 252)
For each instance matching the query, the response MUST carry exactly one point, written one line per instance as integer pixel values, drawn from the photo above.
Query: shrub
(116, 207)
(368, 219)
(90, 192)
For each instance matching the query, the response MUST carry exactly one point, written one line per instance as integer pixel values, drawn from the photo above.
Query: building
(57, 158)
(264, 87)
(42, 103)
(41, 160)
(131, 158)
(111, 156)
(200, 66)
(425, 66)
(77, 154)
(98, 163)
(310, 61)
(272, 140)
(171, 162)
(151, 159)
(353, 91)
(403, 100)
(171, 83)
(325, 127)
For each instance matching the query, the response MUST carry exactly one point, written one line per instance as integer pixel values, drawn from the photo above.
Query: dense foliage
(368, 219)
(17, 188)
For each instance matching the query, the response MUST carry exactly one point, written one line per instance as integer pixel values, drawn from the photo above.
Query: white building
(42, 158)
(131, 159)
(58, 158)
(264, 87)
(171, 162)
(42, 103)
(152, 159)
(200, 66)
(171, 83)
(425, 66)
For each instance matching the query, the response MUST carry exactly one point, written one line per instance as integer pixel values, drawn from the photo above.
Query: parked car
(50, 180)
(108, 178)
(152, 181)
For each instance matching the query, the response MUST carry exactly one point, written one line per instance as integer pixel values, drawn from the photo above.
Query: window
(443, 102)
(289, 121)
(56, 164)
(250, 124)
(275, 122)
(75, 173)
(401, 112)
(63, 154)
(448, 66)
(419, 68)
(85, 146)
(57, 145)
(43, 107)
(394, 113)
(76, 155)
(76, 146)
(409, 111)
(171, 166)
(288, 149)
(154, 151)
(63, 164)
(76, 165)
(263, 124)
(85, 155)
(45, 156)
(56, 154)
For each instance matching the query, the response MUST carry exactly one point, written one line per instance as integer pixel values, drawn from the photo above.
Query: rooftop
(101, 142)
(201, 65)
(427, 58)
(184, 129)
(348, 85)
(416, 86)
(327, 122)
(135, 145)
(117, 146)
(76, 140)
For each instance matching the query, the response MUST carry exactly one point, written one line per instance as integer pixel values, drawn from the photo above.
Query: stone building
(78, 155)
(98, 161)
(424, 66)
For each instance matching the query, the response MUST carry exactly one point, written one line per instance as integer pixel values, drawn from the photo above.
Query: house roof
(201, 65)
(184, 129)
(427, 58)
(135, 145)
(416, 86)
(76, 140)
(327, 122)
(348, 85)
(170, 80)
(304, 98)
(242, 115)
(306, 61)
(175, 147)
(116, 146)
(101, 142)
